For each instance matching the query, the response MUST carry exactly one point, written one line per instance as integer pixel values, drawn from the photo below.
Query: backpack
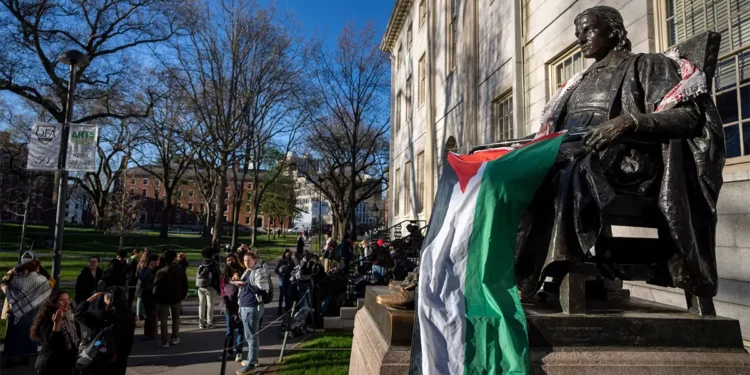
(205, 276)
(99, 352)
(267, 297)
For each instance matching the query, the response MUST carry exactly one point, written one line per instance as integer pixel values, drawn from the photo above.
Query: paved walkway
(199, 350)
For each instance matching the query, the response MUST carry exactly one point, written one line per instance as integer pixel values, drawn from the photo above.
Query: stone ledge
(635, 362)
(371, 354)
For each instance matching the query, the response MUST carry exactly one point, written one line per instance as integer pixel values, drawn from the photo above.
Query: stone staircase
(345, 320)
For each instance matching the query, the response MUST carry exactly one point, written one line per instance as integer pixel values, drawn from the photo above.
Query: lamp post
(80, 60)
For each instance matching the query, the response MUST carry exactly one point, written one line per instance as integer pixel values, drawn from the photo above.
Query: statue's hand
(599, 137)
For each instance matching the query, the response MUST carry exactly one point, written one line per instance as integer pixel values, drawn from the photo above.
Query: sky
(327, 17)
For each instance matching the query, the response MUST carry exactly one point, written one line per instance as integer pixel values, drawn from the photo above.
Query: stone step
(348, 313)
(332, 322)
(360, 303)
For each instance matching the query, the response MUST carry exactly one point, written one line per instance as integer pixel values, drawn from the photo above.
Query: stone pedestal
(382, 338)
(633, 336)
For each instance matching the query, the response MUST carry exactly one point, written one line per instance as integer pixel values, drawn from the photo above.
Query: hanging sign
(44, 147)
(82, 142)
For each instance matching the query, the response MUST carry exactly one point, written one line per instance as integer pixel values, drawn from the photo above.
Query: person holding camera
(254, 285)
(283, 270)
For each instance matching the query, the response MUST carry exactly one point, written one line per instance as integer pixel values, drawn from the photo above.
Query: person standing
(88, 279)
(147, 276)
(170, 288)
(117, 273)
(345, 251)
(300, 244)
(54, 328)
(135, 258)
(304, 286)
(230, 305)
(253, 285)
(207, 282)
(25, 289)
(283, 270)
(329, 253)
(115, 313)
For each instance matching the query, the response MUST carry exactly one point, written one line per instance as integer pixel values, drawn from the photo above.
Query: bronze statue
(669, 160)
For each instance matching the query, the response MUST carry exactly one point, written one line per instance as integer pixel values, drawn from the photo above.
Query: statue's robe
(675, 158)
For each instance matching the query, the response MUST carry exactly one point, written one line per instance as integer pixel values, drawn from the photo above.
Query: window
(422, 81)
(143, 192)
(409, 37)
(422, 13)
(247, 219)
(451, 37)
(396, 197)
(398, 57)
(145, 181)
(397, 113)
(407, 187)
(408, 100)
(76, 206)
(731, 90)
(247, 208)
(190, 194)
(132, 182)
(420, 182)
(564, 68)
(190, 207)
(502, 118)
(179, 204)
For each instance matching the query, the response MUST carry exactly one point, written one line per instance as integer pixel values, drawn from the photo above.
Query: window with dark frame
(502, 118)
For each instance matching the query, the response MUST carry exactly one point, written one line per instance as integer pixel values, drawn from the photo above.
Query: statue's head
(600, 30)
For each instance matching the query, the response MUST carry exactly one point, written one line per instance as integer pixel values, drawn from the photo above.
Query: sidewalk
(199, 350)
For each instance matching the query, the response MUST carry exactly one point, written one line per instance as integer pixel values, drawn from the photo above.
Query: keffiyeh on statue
(27, 290)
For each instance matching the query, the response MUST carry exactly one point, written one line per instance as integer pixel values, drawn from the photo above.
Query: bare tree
(206, 181)
(233, 68)
(115, 146)
(123, 211)
(274, 82)
(167, 149)
(111, 34)
(347, 136)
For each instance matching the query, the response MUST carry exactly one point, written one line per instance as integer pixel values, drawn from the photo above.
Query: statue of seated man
(632, 146)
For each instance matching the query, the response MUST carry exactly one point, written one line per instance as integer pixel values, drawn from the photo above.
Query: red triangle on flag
(466, 166)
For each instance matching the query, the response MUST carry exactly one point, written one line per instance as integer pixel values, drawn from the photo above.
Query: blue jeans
(303, 286)
(236, 331)
(251, 321)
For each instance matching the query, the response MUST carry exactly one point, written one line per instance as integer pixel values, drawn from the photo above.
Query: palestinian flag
(470, 315)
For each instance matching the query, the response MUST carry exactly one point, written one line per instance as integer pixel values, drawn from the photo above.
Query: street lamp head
(73, 57)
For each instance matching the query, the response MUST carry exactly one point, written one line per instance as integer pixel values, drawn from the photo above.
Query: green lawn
(324, 362)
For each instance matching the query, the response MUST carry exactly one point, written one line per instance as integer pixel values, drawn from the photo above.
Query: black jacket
(300, 245)
(86, 284)
(117, 273)
(56, 357)
(170, 285)
(94, 317)
(284, 268)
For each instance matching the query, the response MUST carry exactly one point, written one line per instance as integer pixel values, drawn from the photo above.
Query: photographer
(283, 270)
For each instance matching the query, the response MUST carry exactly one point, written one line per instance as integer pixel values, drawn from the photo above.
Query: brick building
(188, 207)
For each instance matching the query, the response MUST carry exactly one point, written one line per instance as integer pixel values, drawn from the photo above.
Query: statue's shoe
(399, 299)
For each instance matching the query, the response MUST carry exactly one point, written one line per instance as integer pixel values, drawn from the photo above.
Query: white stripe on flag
(442, 273)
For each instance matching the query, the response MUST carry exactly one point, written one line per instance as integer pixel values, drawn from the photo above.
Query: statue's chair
(635, 236)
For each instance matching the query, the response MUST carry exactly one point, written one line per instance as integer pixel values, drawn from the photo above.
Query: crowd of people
(150, 287)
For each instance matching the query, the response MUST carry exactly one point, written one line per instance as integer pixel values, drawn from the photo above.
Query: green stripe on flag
(496, 334)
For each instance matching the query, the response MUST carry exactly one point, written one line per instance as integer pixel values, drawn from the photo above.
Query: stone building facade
(473, 72)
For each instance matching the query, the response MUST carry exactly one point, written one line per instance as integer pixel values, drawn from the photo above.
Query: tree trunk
(235, 220)
(219, 212)
(207, 220)
(164, 231)
(254, 215)
(122, 240)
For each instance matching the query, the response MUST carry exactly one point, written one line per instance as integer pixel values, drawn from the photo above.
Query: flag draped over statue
(470, 314)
